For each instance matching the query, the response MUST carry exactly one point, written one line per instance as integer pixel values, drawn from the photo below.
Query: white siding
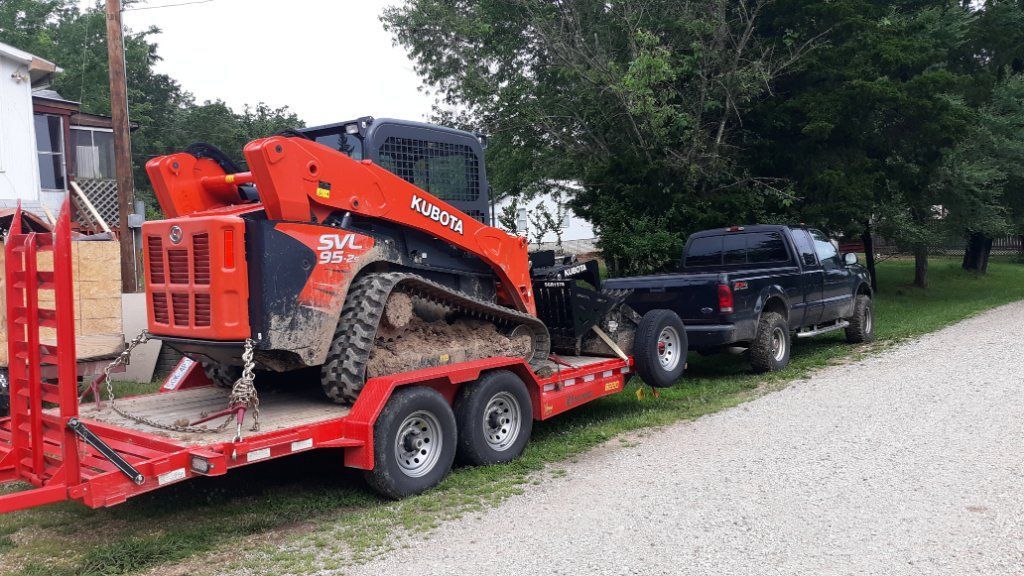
(574, 228)
(19, 169)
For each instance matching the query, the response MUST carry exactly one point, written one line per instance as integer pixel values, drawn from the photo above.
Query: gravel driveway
(909, 462)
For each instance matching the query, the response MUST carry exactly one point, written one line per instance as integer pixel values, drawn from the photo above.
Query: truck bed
(279, 410)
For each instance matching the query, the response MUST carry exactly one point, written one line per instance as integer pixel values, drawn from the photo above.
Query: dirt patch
(422, 344)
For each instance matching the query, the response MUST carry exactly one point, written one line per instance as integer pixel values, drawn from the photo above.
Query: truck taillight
(724, 299)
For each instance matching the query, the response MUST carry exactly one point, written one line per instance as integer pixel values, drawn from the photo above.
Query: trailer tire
(772, 343)
(495, 419)
(862, 323)
(413, 443)
(660, 348)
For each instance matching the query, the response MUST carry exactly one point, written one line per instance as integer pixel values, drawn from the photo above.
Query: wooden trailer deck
(279, 410)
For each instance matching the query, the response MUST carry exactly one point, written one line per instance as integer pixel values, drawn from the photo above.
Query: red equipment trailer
(94, 455)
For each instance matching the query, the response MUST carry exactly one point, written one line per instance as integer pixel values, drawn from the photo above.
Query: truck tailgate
(686, 294)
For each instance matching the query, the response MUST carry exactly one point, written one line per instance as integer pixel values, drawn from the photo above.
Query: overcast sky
(329, 60)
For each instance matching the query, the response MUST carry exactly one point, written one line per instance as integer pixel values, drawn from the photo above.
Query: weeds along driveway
(907, 462)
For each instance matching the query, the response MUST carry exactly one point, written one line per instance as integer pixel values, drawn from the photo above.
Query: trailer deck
(93, 455)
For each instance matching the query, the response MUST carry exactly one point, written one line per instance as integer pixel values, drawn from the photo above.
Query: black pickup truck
(754, 287)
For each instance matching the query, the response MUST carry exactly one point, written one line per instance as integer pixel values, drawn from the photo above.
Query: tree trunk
(869, 254)
(921, 265)
(977, 252)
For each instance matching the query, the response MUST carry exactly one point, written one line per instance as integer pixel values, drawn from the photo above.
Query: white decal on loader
(442, 217)
(332, 248)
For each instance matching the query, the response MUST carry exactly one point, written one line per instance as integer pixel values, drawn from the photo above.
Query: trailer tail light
(725, 299)
(200, 465)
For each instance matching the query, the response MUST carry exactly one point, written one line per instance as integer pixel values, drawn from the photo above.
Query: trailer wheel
(414, 443)
(495, 418)
(660, 348)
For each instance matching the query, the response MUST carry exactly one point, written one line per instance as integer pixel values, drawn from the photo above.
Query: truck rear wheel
(413, 443)
(495, 419)
(770, 349)
(862, 323)
(660, 348)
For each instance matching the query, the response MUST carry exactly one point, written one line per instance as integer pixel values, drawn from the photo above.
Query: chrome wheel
(502, 421)
(778, 344)
(668, 348)
(418, 444)
(868, 320)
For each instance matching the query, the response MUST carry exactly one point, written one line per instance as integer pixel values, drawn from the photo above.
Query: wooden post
(122, 143)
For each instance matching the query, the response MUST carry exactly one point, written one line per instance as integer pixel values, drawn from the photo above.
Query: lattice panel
(102, 192)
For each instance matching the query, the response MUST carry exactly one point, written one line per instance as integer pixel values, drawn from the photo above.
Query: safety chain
(243, 392)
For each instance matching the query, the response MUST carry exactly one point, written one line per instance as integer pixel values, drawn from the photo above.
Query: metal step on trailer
(100, 458)
(819, 329)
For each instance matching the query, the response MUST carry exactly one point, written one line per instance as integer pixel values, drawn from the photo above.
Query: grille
(156, 260)
(449, 171)
(202, 312)
(160, 307)
(201, 259)
(179, 278)
(180, 304)
(177, 260)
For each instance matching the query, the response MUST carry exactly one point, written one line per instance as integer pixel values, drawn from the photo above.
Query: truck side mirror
(850, 258)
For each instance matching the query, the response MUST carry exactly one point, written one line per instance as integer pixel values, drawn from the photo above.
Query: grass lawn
(307, 512)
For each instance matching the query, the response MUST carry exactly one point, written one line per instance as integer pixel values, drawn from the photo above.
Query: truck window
(765, 248)
(705, 251)
(736, 250)
(828, 255)
(805, 246)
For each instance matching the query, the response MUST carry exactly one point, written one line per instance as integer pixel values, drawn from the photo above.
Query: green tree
(640, 103)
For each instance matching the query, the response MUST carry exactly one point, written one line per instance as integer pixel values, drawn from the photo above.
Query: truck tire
(862, 323)
(769, 351)
(413, 443)
(660, 348)
(495, 419)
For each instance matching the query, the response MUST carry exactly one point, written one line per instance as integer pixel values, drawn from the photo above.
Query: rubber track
(344, 372)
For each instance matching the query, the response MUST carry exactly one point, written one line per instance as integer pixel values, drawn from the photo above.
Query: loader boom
(303, 181)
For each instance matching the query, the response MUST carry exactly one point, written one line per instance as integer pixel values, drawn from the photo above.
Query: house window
(94, 152)
(50, 150)
(522, 221)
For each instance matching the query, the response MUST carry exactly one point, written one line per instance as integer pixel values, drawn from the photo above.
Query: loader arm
(300, 180)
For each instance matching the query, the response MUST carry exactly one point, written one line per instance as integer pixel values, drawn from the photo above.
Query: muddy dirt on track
(909, 462)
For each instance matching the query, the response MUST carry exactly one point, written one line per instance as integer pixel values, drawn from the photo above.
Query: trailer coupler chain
(242, 399)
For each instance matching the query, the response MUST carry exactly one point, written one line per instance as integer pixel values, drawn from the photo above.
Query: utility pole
(122, 143)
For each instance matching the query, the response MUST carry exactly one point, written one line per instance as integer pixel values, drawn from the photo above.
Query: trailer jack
(100, 446)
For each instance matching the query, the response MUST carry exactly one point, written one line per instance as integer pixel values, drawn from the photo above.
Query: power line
(167, 5)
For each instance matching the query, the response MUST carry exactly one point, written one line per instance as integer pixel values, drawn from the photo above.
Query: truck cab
(755, 287)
